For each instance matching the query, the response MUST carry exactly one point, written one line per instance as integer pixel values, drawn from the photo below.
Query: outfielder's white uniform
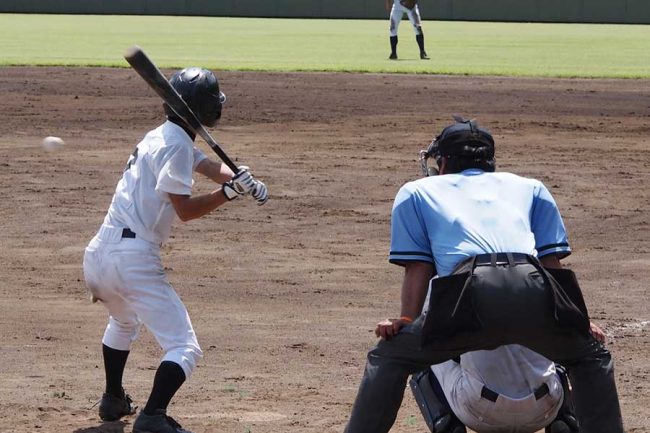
(125, 272)
(514, 374)
(398, 11)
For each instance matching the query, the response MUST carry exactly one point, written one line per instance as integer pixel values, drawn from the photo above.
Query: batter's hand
(388, 328)
(259, 192)
(243, 180)
(240, 184)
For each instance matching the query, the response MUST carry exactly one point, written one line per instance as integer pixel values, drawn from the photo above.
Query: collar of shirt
(186, 130)
(472, 172)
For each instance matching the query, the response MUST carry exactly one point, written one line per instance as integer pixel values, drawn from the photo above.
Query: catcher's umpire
(122, 263)
(495, 241)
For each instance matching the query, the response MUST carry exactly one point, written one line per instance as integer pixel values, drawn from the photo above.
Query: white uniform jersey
(126, 272)
(162, 163)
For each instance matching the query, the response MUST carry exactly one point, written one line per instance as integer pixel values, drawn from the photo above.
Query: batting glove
(241, 184)
(260, 193)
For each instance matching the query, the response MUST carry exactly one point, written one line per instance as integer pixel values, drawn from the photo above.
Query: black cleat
(423, 55)
(158, 423)
(112, 408)
(392, 56)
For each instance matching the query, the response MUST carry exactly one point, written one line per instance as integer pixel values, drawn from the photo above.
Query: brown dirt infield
(284, 297)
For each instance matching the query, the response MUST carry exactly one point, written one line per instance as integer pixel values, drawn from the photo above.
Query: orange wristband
(406, 319)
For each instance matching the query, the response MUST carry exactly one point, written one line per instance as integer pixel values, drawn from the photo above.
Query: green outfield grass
(477, 48)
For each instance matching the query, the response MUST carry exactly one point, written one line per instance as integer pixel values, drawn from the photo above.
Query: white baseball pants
(128, 277)
(396, 14)
(525, 415)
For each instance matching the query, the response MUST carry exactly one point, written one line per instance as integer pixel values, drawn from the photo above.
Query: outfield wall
(588, 11)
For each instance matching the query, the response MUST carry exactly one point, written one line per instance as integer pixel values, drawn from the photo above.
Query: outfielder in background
(399, 8)
(122, 264)
(487, 246)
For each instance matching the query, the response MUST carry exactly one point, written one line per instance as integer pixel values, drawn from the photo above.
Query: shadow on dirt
(106, 427)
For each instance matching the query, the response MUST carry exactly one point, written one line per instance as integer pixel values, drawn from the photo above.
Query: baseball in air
(52, 143)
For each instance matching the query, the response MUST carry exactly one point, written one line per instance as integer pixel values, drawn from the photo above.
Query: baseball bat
(157, 81)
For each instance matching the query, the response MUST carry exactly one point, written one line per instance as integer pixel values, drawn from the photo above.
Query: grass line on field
(254, 44)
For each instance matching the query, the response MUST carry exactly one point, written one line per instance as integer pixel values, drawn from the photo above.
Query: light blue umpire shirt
(445, 219)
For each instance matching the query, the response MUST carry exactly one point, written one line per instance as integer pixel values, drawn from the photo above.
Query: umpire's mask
(462, 141)
(425, 155)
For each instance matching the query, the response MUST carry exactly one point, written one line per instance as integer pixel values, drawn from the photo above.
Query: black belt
(127, 233)
(488, 394)
(496, 259)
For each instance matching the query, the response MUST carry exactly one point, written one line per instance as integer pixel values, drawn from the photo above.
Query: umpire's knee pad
(187, 357)
(433, 404)
(566, 420)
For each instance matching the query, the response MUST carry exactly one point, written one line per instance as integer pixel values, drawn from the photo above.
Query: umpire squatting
(494, 242)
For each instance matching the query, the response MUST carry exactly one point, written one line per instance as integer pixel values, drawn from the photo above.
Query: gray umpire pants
(589, 363)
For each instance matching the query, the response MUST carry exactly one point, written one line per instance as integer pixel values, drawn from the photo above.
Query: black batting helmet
(463, 142)
(199, 88)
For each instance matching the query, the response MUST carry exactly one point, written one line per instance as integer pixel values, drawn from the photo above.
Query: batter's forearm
(215, 171)
(188, 208)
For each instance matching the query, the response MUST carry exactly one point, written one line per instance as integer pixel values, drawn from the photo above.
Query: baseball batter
(397, 11)
(122, 264)
(488, 246)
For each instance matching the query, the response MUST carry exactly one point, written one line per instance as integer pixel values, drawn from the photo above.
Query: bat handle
(217, 149)
(229, 162)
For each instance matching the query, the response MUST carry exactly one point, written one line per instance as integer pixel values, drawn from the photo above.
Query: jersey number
(132, 159)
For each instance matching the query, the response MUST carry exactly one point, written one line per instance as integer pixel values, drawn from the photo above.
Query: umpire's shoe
(158, 423)
(112, 408)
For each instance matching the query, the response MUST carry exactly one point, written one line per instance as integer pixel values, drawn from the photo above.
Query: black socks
(420, 40)
(169, 378)
(114, 362)
(393, 45)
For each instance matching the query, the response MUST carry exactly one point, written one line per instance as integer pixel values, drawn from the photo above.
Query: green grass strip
(471, 48)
